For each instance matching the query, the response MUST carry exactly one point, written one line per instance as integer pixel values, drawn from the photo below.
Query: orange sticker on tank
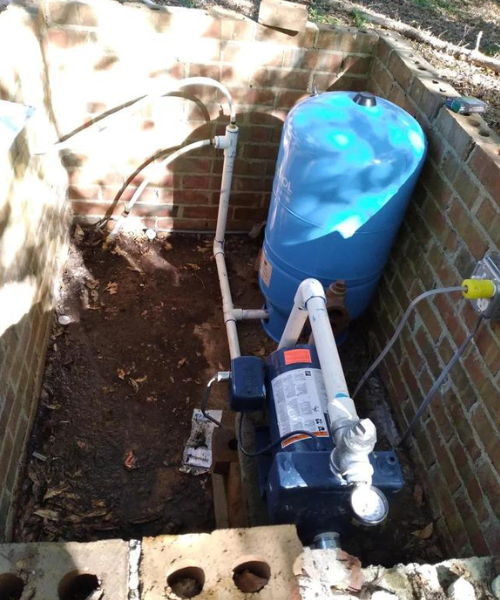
(299, 355)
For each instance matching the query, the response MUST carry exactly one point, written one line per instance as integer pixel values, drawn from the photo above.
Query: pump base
(300, 488)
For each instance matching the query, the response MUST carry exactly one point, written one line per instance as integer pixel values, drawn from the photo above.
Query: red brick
(488, 433)
(438, 412)
(65, 38)
(260, 151)
(189, 164)
(286, 99)
(252, 96)
(470, 481)
(489, 393)
(5, 456)
(451, 127)
(8, 403)
(489, 216)
(304, 39)
(196, 197)
(485, 163)
(200, 182)
(200, 212)
(201, 70)
(251, 184)
(488, 348)
(465, 433)
(426, 96)
(250, 214)
(247, 199)
(98, 209)
(319, 60)
(490, 483)
(471, 524)
(464, 224)
(240, 29)
(400, 70)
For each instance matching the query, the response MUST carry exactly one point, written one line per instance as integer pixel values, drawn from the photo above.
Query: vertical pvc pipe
(227, 301)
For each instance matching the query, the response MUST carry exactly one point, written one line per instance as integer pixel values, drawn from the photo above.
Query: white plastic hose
(138, 192)
(390, 343)
(103, 121)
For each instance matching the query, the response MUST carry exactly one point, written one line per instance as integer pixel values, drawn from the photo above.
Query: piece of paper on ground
(197, 456)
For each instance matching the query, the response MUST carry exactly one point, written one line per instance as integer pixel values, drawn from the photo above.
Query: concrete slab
(217, 554)
(47, 569)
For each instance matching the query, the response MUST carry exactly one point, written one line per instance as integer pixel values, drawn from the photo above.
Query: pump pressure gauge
(369, 505)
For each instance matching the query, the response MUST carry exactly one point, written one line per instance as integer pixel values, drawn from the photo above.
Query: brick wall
(453, 220)
(93, 65)
(32, 234)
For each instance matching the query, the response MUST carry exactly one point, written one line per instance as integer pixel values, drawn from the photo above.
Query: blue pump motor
(296, 478)
(347, 166)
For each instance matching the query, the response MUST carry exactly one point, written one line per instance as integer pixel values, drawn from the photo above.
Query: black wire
(273, 444)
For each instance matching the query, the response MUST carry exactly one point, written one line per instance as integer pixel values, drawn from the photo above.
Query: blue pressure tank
(347, 166)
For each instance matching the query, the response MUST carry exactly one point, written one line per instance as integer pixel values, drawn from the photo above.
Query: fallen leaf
(418, 495)
(151, 399)
(46, 513)
(193, 266)
(111, 288)
(53, 406)
(202, 250)
(134, 384)
(79, 231)
(56, 491)
(92, 284)
(425, 533)
(141, 379)
(130, 462)
(221, 368)
(261, 351)
(121, 373)
(181, 363)
(172, 380)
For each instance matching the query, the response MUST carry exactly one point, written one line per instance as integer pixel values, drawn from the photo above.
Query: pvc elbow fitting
(478, 288)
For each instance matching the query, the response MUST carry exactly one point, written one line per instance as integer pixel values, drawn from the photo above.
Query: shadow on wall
(185, 195)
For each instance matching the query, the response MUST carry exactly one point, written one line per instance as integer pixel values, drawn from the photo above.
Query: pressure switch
(483, 287)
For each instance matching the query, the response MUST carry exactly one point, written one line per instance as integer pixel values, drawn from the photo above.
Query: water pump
(317, 465)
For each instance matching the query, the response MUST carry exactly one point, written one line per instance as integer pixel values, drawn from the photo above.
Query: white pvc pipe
(310, 301)
(104, 122)
(138, 192)
(229, 143)
(246, 314)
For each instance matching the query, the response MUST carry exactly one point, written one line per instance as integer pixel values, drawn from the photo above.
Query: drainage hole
(233, 444)
(78, 586)
(484, 133)
(11, 587)
(251, 576)
(435, 81)
(187, 582)
(391, 460)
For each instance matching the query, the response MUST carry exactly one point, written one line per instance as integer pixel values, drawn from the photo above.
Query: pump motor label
(301, 403)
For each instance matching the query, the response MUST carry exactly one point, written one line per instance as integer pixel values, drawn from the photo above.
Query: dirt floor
(122, 380)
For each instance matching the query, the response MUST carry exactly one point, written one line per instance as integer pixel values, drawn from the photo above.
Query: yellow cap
(478, 288)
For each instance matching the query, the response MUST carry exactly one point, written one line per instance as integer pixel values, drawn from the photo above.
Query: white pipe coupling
(353, 445)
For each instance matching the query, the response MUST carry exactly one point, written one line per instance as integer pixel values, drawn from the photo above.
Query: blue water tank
(347, 166)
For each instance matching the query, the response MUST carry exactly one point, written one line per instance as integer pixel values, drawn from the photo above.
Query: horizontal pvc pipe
(246, 314)
(103, 121)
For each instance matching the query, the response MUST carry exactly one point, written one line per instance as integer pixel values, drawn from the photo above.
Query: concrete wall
(95, 65)
(32, 244)
(453, 220)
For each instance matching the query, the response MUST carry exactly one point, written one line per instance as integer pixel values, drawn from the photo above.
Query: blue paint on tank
(345, 174)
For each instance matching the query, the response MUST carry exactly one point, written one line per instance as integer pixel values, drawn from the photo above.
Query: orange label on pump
(299, 355)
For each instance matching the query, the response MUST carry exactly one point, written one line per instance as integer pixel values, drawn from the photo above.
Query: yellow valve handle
(478, 288)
